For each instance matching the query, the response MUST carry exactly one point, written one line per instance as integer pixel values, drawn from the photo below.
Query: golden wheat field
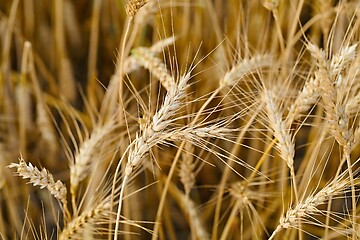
(179, 119)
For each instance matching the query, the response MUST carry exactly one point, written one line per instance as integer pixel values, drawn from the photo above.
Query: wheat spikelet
(43, 179)
(187, 166)
(284, 144)
(304, 100)
(155, 66)
(352, 106)
(132, 6)
(357, 136)
(341, 59)
(153, 134)
(130, 65)
(195, 134)
(245, 67)
(160, 45)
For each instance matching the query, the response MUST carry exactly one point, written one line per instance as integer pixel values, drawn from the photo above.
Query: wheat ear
(308, 207)
(153, 134)
(78, 223)
(156, 67)
(245, 67)
(131, 63)
(285, 144)
(329, 75)
(43, 179)
(89, 149)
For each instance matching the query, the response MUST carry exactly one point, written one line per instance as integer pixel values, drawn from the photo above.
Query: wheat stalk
(189, 207)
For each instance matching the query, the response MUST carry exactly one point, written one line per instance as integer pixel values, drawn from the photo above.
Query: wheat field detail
(179, 119)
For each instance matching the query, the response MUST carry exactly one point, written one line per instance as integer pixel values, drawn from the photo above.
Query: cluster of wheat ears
(179, 119)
